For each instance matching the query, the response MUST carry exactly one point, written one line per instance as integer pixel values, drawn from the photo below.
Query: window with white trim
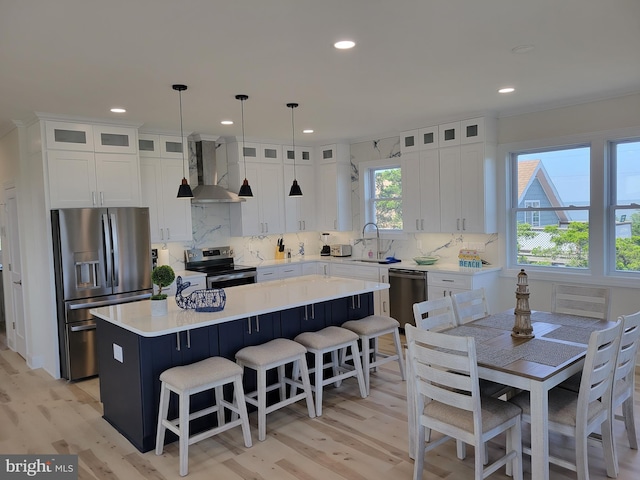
(383, 197)
(550, 207)
(624, 217)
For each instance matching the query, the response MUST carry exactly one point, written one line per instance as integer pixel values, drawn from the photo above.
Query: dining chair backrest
(470, 305)
(583, 300)
(444, 369)
(436, 314)
(597, 372)
(628, 350)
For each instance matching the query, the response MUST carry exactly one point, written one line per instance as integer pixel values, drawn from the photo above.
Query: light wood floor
(354, 439)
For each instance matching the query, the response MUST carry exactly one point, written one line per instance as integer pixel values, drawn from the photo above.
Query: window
(383, 197)
(550, 207)
(625, 204)
(533, 217)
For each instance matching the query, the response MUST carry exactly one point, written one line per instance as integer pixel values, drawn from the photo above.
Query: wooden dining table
(555, 353)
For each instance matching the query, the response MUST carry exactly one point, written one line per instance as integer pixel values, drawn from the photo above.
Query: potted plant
(162, 276)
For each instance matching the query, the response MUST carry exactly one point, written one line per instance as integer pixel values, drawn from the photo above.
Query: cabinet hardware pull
(168, 234)
(464, 222)
(93, 198)
(457, 224)
(188, 338)
(249, 325)
(178, 341)
(358, 301)
(313, 311)
(353, 302)
(304, 224)
(257, 323)
(266, 224)
(448, 280)
(417, 227)
(101, 198)
(444, 293)
(384, 306)
(422, 224)
(306, 317)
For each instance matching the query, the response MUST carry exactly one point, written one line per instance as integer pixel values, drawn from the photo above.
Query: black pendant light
(184, 191)
(295, 191)
(245, 189)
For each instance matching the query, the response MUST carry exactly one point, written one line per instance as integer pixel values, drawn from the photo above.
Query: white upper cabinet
(114, 139)
(421, 191)
(87, 179)
(333, 171)
(420, 139)
(161, 170)
(468, 197)
(91, 165)
(300, 212)
(69, 136)
(304, 155)
(262, 214)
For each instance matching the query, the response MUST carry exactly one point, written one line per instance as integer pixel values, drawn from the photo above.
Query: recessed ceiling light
(118, 110)
(344, 44)
(520, 49)
(227, 122)
(307, 130)
(507, 90)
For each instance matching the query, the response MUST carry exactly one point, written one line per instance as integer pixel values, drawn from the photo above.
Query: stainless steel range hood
(208, 190)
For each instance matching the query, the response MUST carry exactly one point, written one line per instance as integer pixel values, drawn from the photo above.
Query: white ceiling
(416, 62)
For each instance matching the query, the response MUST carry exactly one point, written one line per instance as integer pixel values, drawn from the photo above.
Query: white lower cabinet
(441, 284)
(276, 272)
(169, 216)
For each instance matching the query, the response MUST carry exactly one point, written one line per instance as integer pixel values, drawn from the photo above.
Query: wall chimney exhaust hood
(208, 190)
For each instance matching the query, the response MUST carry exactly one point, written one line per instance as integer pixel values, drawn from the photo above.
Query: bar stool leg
(359, 371)
(183, 399)
(302, 364)
(399, 352)
(238, 393)
(319, 362)
(283, 385)
(366, 360)
(262, 403)
(218, 398)
(163, 411)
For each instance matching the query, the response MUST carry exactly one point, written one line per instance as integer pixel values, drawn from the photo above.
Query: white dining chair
(579, 414)
(444, 377)
(623, 380)
(470, 305)
(582, 300)
(435, 315)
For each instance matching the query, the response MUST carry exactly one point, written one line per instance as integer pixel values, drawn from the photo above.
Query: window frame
(367, 185)
(601, 270)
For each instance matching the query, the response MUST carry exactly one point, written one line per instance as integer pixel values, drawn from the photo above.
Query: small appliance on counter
(340, 250)
(326, 249)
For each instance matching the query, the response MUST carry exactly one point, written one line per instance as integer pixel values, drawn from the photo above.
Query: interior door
(15, 317)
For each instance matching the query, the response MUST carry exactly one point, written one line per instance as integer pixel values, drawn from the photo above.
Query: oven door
(231, 279)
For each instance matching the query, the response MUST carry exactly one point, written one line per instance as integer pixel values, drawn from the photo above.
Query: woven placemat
(566, 320)
(479, 333)
(495, 357)
(501, 321)
(547, 353)
(570, 334)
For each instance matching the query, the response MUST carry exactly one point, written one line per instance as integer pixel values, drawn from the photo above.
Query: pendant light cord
(293, 139)
(182, 134)
(244, 160)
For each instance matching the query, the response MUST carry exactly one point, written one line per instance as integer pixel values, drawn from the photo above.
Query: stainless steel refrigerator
(102, 256)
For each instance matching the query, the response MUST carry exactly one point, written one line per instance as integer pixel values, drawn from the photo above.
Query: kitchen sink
(372, 260)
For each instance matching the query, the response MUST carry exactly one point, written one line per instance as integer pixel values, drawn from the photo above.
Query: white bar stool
(332, 340)
(276, 354)
(187, 380)
(369, 329)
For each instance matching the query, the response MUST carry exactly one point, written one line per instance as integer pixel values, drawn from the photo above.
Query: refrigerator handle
(116, 250)
(106, 234)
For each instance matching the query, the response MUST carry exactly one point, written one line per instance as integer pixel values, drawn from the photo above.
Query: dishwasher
(406, 288)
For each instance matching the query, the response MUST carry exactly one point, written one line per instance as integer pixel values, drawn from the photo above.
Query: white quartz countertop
(407, 264)
(242, 301)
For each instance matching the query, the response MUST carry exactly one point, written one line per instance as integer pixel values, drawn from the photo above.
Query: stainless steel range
(218, 264)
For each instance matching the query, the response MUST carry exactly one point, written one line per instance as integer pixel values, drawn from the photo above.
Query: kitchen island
(134, 347)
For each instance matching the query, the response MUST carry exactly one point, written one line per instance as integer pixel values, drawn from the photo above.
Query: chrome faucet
(378, 251)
